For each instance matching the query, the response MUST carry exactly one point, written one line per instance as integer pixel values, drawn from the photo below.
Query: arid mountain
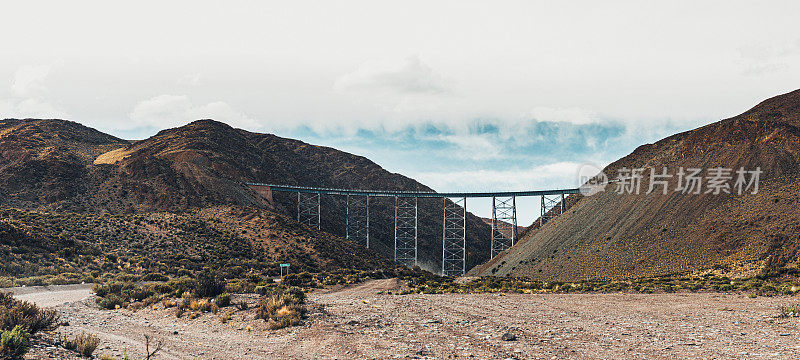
(612, 235)
(73, 168)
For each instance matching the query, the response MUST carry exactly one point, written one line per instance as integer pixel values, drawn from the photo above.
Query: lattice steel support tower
(357, 220)
(454, 245)
(551, 202)
(308, 209)
(405, 230)
(504, 224)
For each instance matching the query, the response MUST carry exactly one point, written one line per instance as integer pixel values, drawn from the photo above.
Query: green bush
(14, 343)
(155, 277)
(110, 302)
(209, 285)
(223, 300)
(182, 284)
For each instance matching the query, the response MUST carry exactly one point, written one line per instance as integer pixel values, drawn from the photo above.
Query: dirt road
(356, 323)
(51, 296)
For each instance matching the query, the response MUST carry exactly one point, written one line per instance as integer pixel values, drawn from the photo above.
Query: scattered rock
(508, 337)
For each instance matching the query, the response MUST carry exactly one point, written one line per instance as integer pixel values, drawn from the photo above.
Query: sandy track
(356, 323)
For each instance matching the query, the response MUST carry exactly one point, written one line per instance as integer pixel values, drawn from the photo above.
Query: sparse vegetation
(789, 311)
(68, 248)
(30, 317)
(14, 343)
(84, 344)
(282, 309)
(18, 321)
(784, 283)
(223, 300)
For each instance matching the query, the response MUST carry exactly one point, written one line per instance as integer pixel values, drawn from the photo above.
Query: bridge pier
(551, 202)
(504, 224)
(308, 209)
(357, 219)
(504, 217)
(405, 230)
(454, 238)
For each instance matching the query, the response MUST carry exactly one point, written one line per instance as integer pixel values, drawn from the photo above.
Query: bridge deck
(418, 194)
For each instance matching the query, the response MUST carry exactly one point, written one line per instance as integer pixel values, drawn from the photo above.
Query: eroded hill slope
(612, 235)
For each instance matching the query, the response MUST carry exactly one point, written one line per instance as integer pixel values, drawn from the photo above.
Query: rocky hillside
(73, 168)
(612, 235)
(224, 238)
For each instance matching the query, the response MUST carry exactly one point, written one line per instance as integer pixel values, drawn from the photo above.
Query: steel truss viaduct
(454, 218)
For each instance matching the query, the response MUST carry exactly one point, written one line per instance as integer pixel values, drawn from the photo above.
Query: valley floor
(356, 323)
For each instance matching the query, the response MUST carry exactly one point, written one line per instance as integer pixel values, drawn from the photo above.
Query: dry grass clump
(283, 309)
(791, 310)
(84, 344)
(203, 306)
(226, 317)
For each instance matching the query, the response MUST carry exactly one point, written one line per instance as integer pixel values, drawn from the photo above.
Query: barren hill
(612, 235)
(231, 239)
(198, 165)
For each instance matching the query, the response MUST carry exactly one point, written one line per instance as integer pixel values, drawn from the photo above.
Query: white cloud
(190, 79)
(176, 110)
(475, 147)
(29, 80)
(409, 77)
(764, 58)
(547, 176)
(37, 108)
(29, 89)
(575, 116)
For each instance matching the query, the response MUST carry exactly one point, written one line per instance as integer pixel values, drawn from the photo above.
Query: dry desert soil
(357, 323)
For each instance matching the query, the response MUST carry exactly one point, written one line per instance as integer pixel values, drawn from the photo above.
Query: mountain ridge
(206, 163)
(614, 236)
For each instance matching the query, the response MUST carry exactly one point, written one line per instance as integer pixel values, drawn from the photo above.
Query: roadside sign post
(284, 266)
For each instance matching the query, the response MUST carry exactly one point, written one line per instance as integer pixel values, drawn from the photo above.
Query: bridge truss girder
(454, 245)
(357, 219)
(551, 202)
(405, 230)
(308, 209)
(504, 224)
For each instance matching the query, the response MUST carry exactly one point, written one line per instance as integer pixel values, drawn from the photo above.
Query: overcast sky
(462, 95)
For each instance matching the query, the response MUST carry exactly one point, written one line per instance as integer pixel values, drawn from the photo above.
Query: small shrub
(787, 311)
(281, 310)
(242, 305)
(14, 344)
(15, 313)
(223, 300)
(203, 305)
(168, 303)
(84, 344)
(226, 317)
(182, 285)
(155, 277)
(209, 285)
(110, 302)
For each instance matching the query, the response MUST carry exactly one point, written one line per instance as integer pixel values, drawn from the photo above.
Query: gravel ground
(356, 323)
